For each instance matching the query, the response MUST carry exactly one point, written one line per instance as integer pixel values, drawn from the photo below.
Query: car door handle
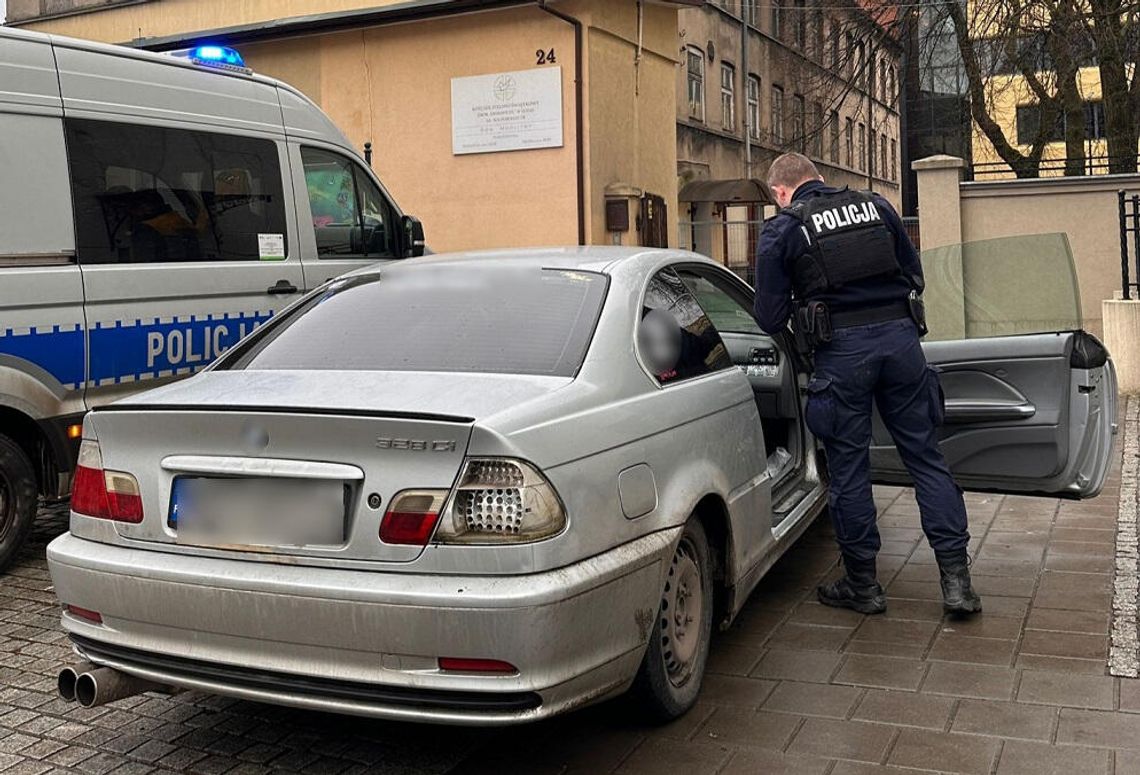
(966, 410)
(282, 288)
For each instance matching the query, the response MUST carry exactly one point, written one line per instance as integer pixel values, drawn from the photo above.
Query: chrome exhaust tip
(101, 685)
(68, 677)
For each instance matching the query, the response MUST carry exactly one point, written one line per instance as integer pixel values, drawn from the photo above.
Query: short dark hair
(791, 169)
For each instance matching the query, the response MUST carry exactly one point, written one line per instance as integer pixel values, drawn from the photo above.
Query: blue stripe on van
(57, 350)
(138, 349)
(130, 350)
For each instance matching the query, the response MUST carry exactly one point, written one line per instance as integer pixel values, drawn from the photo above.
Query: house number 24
(545, 57)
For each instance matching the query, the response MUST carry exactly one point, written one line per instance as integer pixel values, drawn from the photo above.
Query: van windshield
(437, 318)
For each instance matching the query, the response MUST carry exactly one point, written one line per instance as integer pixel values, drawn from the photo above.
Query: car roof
(592, 258)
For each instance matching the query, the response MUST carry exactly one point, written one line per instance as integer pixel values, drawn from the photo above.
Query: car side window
(676, 339)
(156, 194)
(351, 217)
(725, 312)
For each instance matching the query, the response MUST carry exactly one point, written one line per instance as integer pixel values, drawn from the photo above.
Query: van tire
(673, 667)
(18, 499)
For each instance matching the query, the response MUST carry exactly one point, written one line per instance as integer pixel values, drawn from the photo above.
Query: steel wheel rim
(682, 615)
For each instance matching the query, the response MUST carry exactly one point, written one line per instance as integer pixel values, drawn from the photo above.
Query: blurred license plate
(257, 512)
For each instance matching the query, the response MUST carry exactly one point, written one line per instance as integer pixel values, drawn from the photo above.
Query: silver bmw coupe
(491, 487)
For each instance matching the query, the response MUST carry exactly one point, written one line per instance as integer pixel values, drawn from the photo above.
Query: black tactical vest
(847, 241)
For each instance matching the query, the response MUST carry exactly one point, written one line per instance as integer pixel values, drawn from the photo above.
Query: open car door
(1030, 399)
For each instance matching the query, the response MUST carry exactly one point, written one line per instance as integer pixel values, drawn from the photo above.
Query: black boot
(857, 590)
(958, 595)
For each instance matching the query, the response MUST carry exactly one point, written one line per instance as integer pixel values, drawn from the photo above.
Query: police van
(154, 209)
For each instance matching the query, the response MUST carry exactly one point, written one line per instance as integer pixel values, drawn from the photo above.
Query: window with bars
(728, 96)
(777, 121)
(753, 107)
(696, 59)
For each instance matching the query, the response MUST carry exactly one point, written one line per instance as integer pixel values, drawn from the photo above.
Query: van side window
(155, 194)
(351, 217)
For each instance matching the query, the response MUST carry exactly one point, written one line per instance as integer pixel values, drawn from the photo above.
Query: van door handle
(282, 288)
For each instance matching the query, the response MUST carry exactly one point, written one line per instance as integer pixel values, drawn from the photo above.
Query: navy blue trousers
(883, 363)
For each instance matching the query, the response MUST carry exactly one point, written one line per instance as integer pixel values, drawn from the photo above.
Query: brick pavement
(793, 687)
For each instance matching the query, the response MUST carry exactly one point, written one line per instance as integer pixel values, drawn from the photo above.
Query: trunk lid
(363, 435)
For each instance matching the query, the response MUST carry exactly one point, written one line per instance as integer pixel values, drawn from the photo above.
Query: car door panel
(1023, 414)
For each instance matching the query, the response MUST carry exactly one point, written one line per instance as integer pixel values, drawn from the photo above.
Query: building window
(1029, 121)
(728, 97)
(799, 24)
(777, 115)
(834, 45)
(833, 125)
(883, 156)
(1094, 120)
(849, 141)
(818, 34)
(871, 169)
(849, 67)
(778, 18)
(696, 84)
(861, 64)
(754, 107)
(883, 79)
(861, 162)
(894, 159)
(798, 133)
(871, 80)
(751, 11)
(892, 94)
(817, 130)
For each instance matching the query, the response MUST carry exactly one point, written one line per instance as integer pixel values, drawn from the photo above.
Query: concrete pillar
(1121, 334)
(940, 229)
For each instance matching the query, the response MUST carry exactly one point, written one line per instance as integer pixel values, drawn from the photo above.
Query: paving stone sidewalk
(794, 687)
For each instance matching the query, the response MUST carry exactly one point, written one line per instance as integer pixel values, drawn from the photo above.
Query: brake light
(411, 517)
(104, 494)
(461, 665)
(501, 500)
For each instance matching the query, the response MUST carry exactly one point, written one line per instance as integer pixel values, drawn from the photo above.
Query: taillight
(500, 500)
(411, 517)
(463, 665)
(103, 494)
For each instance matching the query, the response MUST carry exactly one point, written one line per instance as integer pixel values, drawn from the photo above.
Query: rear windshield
(438, 318)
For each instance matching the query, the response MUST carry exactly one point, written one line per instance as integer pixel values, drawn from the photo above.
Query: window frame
(697, 77)
(799, 122)
(776, 131)
(728, 96)
(849, 141)
(752, 97)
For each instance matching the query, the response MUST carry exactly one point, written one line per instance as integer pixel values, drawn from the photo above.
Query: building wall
(707, 149)
(1005, 94)
(390, 85)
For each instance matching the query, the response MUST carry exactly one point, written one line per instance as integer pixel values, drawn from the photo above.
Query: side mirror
(413, 237)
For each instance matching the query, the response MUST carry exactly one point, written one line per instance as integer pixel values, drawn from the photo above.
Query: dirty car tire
(17, 499)
(673, 667)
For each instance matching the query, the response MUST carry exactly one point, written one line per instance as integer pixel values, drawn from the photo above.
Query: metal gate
(732, 243)
(1129, 236)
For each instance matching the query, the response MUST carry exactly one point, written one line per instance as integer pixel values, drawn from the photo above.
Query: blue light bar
(217, 55)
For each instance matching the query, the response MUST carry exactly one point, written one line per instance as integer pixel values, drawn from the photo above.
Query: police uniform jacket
(783, 241)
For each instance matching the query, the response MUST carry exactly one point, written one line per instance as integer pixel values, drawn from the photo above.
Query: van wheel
(18, 499)
(674, 664)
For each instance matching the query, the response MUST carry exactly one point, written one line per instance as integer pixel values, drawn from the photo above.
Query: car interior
(772, 372)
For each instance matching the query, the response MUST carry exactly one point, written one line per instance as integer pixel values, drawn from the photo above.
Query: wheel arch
(712, 512)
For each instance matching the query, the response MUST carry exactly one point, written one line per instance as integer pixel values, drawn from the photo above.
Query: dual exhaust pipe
(92, 686)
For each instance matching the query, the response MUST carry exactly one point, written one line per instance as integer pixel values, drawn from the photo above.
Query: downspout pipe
(579, 118)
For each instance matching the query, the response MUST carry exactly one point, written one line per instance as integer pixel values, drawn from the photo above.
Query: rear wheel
(674, 663)
(17, 499)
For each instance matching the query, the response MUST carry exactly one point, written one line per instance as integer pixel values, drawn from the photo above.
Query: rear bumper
(365, 642)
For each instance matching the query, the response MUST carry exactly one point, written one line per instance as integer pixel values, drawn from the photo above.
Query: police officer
(839, 265)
